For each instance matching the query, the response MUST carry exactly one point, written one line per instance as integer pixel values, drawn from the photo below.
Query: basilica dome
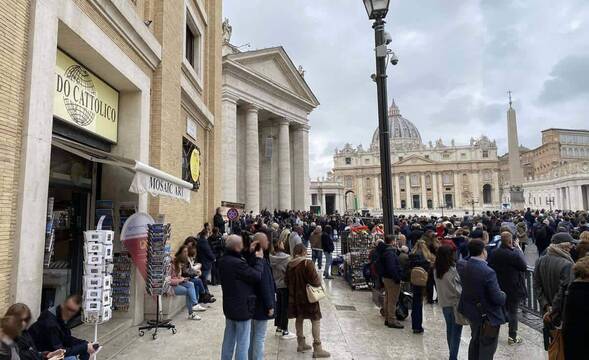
(404, 135)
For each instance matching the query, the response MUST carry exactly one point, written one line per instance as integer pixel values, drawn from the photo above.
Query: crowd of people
(473, 267)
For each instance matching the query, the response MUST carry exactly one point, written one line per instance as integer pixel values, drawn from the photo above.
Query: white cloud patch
(457, 60)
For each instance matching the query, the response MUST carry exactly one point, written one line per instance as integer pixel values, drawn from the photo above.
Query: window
(348, 161)
(485, 153)
(193, 41)
(191, 163)
(463, 155)
(430, 204)
(414, 180)
(403, 204)
(402, 182)
(445, 156)
(416, 202)
(314, 199)
(348, 181)
(447, 179)
(189, 46)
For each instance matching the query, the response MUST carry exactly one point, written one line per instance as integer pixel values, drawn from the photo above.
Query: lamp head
(376, 8)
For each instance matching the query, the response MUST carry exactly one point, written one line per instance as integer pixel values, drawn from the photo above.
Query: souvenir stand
(98, 256)
(359, 244)
(159, 269)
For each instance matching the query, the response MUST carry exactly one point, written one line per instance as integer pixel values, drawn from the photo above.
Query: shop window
(348, 161)
(191, 163)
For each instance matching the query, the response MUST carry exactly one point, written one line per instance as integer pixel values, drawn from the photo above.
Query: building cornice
(241, 72)
(124, 19)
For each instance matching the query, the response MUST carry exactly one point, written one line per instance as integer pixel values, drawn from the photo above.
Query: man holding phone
(50, 332)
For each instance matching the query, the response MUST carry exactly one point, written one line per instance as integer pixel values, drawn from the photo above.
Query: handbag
(315, 293)
(418, 276)
(556, 347)
(460, 319)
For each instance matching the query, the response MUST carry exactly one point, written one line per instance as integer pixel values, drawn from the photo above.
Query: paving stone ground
(358, 334)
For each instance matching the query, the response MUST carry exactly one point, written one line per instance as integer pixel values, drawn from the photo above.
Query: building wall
(173, 102)
(14, 23)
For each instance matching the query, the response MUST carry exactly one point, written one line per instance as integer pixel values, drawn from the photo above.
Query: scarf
(556, 250)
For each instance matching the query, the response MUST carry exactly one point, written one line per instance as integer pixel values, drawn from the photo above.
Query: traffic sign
(232, 214)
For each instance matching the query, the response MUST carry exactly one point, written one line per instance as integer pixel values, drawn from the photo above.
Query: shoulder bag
(418, 276)
(315, 293)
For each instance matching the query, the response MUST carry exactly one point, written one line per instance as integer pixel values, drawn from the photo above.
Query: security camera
(388, 38)
(394, 58)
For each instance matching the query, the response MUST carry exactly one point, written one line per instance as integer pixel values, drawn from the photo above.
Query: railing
(530, 304)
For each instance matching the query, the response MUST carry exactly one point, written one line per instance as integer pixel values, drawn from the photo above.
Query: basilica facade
(426, 177)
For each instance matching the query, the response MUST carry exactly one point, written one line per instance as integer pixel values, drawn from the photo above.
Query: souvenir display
(121, 281)
(359, 244)
(97, 282)
(49, 233)
(158, 273)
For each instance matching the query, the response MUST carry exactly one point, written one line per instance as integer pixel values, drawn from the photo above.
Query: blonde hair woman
(420, 257)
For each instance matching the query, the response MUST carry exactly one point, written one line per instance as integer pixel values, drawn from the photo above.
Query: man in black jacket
(509, 263)
(265, 292)
(238, 279)
(51, 332)
(328, 248)
(389, 269)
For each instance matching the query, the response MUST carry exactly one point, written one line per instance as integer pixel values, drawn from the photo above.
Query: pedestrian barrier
(531, 304)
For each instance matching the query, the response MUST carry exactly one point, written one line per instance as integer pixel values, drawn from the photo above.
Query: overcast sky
(457, 59)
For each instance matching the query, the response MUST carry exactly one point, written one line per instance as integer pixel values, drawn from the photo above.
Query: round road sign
(232, 214)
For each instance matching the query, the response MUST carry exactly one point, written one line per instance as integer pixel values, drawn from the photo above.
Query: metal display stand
(159, 266)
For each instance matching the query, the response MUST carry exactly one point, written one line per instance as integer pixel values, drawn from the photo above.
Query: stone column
(284, 189)
(423, 192)
(408, 199)
(457, 191)
(397, 198)
(229, 148)
(323, 209)
(252, 156)
(435, 191)
(360, 193)
(377, 199)
(301, 167)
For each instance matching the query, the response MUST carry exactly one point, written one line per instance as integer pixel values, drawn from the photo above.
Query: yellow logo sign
(82, 99)
(195, 165)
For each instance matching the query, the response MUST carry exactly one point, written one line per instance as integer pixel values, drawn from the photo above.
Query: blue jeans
(198, 286)
(328, 261)
(206, 275)
(453, 332)
(317, 255)
(417, 308)
(236, 339)
(258, 335)
(187, 289)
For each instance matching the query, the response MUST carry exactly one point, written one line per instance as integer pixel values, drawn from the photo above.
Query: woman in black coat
(576, 313)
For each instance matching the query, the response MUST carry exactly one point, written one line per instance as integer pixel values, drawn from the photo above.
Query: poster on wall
(82, 99)
(134, 237)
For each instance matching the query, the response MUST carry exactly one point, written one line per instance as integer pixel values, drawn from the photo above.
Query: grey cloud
(568, 80)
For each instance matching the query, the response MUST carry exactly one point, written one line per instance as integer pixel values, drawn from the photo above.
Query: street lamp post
(377, 11)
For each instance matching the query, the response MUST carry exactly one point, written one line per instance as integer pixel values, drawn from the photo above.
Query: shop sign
(191, 128)
(84, 100)
(156, 186)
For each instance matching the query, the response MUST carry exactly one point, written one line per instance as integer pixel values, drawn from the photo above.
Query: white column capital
(252, 108)
(228, 97)
(283, 121)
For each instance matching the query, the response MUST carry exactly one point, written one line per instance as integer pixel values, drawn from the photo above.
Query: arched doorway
(487, 194)
(349, 200)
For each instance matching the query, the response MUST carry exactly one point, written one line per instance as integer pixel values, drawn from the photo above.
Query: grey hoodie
(279, 262)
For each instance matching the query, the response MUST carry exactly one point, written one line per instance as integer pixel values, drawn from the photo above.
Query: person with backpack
(389, 270)
(420, 262)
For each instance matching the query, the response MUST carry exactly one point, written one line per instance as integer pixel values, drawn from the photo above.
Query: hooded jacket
(389, 262)
(279, 262)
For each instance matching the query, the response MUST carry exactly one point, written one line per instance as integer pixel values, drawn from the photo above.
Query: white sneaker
(198, 307)
(514, 341)
(193, 316)
(288, 336)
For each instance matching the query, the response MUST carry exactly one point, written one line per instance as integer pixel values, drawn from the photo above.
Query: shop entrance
(68, 207)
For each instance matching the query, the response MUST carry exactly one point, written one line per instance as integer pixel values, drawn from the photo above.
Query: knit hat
(562, 237)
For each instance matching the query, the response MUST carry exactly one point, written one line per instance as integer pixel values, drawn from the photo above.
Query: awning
(147, 179)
